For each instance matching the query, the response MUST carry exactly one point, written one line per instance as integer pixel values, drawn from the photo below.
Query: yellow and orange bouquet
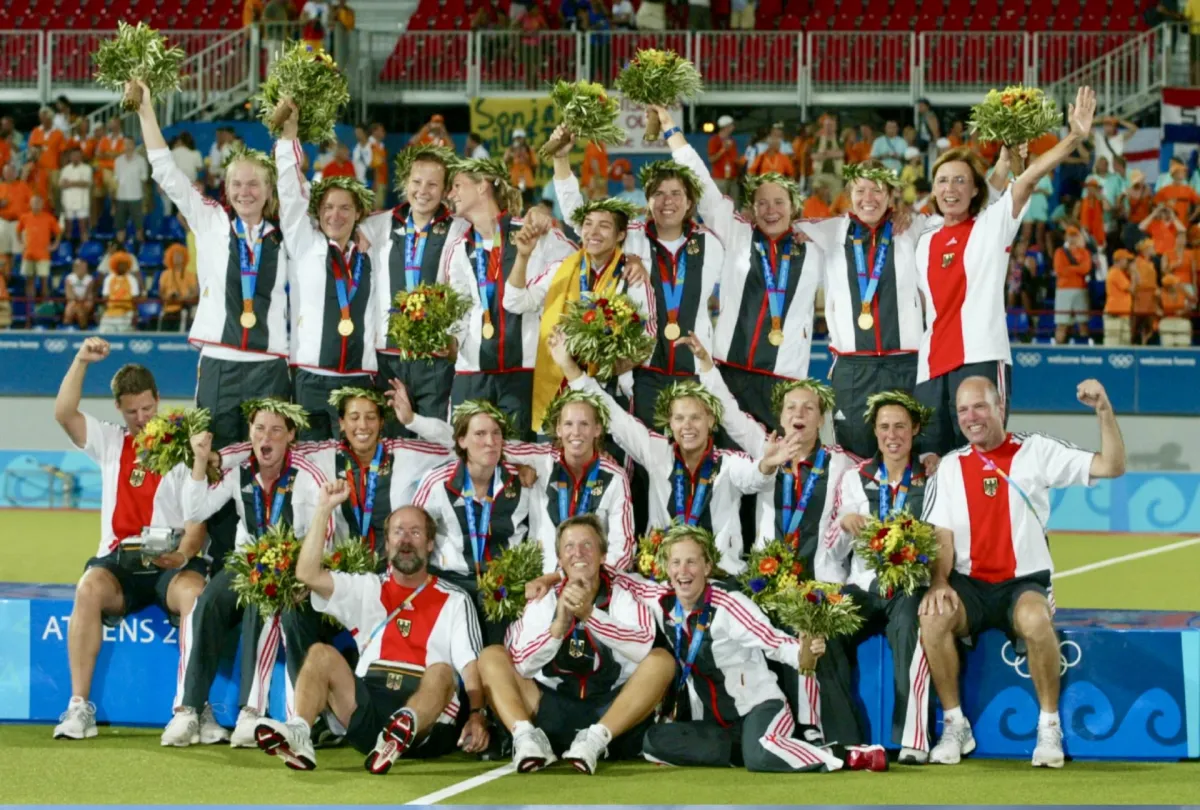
(647, 555)
(815, 609)
(422, 318)
(900, 550)
(602, 331)
(165, 441)
(265, 572)
(1014, 115)
(771, 571)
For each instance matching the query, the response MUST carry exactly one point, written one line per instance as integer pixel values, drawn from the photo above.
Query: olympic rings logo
(1120, 360)
(1028, 359)
(55, 345)
(1069, 655)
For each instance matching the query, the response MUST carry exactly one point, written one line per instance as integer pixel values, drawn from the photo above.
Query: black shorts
(561, 717)
(142, 587)
(989, 605)
(376, 703)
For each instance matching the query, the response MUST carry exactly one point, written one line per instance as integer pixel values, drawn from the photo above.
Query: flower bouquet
(265, 572)
(1014, 115)
(604, 331)
(352, 556)
(165, 441)
(502, 586)
(311, 79)
(587, 112)
(647, 555)
(422, 318)
(815, 609)
(137, 53)
(771, 571)
(658, 78)
(899, 550)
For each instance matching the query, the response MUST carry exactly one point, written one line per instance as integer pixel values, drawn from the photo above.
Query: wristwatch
(481, 711)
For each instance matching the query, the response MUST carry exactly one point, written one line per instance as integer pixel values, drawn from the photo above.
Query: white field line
(1137, 555)
(465, 785)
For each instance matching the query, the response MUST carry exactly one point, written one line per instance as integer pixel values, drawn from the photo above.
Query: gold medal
(404, 626)
(866, 320)
(776, 337)
(488, 331)
(671, 332)
(345, 327)
(248, 320)
(137, 477)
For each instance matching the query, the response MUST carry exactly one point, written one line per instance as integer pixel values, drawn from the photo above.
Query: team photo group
(565, 491)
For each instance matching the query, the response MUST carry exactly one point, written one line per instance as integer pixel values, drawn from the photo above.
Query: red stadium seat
(791, 22)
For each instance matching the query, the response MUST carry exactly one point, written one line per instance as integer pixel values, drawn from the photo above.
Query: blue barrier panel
(1141, 380)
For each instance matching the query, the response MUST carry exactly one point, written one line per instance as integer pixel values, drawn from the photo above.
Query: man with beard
(274, 486)
(416, 636)
(407, 247)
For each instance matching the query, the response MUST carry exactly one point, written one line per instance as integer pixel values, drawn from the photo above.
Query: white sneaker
(291, 742)
(78, 722)
(913, 756)
(587, 749)
(532, 751)
(183, 730)
(957, 741)
(1048, 753)
(243, 732)
(211, 732)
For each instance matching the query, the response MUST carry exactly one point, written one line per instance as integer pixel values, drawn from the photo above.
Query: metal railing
(1128, 78)
(607, 52)
(972, 62)
(519, 62)
(21, 57)
(860, 61)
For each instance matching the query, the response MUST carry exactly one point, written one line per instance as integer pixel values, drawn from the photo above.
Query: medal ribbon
(885, 491)
(487, 271)
(414, 251)
(480, 530)
(673, 292)
(250, 258)
(867, 288)
(341, 281)
(793, 516)
(991, 465)
(776, 293)
(697, 636)
(362, 513)
(279, 495)
(405, 605)
(587, 282)
(567, 505)
(691, 508)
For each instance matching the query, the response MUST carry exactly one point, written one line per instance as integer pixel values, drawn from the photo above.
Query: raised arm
(299, 234)
(70, 390)
(745, 431)
(717, 210)
(310, 565)
(1079, 116)
(1110, 461)
(521, 296)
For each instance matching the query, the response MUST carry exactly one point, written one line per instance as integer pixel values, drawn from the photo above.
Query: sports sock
(602, 731)
(521, 727)
(952, 715)
(302, 723)
(1047, 719)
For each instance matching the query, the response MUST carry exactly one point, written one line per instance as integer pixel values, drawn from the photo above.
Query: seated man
(131, 499)
(578, 674)
(416, 636)
(989, 504)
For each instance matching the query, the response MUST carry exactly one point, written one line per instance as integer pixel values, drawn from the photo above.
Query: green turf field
(128, 766)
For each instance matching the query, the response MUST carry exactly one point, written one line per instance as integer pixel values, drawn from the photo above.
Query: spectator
(533, 21)
(251, 12)
(595, 164)
(80, 289)
(550, 199)
(630, 192)
(924, 190)
(723, 158)
(652, 16)
(856, 149)
(801, 152)
(623, 15)
(343, 22)
(773, 159)
(909, 134)
(914, 169)
(341, 165)
(522, 165)
(929, 129)
(598, 189)
(1177, 192)
(828, 155)
(757, 144)
(1074, 170)
(361, 155)
(597, 18)
(133, 189)
(5, 295)
(1090, 211)
(1136, 205)
(75, 179)
(48, 143)
(379, 165)
(1162, 226)
(276, 16)
(15, 195)
(1145, 292)
(889, 147)
(120, 290)
(741, 15)
(178, 288)
(6, 148)
(64, 119)
(1037, 214)
(817, 204)
(699, 15)
(115, 254)
(1022, 285)
(189, 160)
(108, 148)
(433, 133)
(8, 132)
(1072, 265)
(1118, 300)
(41, 235)
(315, 16)
(475, 148)
(1178, 301)
(779, 129)
(1111, 137)
(326, 154)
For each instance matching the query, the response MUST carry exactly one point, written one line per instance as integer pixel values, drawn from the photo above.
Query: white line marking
(1137, 555)
(464, 786)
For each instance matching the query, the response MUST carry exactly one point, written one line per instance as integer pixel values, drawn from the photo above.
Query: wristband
(673, 130)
